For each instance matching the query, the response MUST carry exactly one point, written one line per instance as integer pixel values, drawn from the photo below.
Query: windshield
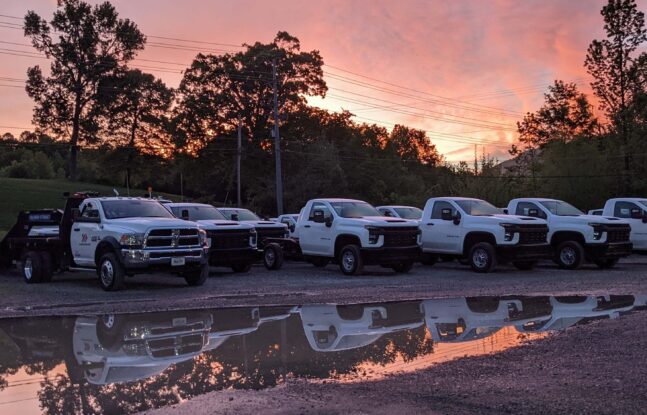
(354, 209)
(478, 207)
(117, 209)
(644, 203)
(559, 208)
(409, 213)
(243, 214)
(199, 212)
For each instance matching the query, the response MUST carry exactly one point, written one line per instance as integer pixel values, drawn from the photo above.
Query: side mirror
(457, 219)
(234, 217)
(185, 214)
(291, 227)
(387, 213)
(318, 216)
(637, 214)
(328, 221)
(534, 213)
(446, 214)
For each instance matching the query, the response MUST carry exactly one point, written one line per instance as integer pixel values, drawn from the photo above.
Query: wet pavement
(124, 363)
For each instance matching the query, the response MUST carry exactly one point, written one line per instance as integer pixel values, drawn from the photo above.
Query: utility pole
(277, 144)
(239, 150)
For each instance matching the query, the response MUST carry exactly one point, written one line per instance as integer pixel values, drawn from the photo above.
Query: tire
(350, 260)
(569, 255)
(48, 267)
(524, 265)
(241, 268)
(350, 312)
(109, 331)
(319, 262)
(31, 267)
(606, 263)
(198, 277)
(482, 257)
(273, 256)
(402, 267)
(429, 259)
(112, 276)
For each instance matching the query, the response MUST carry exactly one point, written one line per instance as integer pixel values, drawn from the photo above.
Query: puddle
(133, 362)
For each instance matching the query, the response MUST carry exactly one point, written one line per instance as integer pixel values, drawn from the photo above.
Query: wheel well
(103, 248)
(343, 240)
(473, 238)
(560, 237)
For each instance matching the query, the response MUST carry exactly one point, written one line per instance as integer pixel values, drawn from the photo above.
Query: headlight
(132, 239)
(203, 237)
(598, 230)
(509, 231)
(373, 234)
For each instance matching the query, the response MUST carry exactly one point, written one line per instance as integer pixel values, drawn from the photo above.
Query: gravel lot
(301, 283)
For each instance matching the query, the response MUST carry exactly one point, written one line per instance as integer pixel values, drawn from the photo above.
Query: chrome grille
(172, 238)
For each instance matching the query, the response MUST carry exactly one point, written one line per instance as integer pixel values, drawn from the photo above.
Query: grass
(26, 194)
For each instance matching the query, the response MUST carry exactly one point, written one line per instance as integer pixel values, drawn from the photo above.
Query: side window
(319, 206)
(523, 209)
(623, 209)
(437, 211)
(385, 212)
(89, 211)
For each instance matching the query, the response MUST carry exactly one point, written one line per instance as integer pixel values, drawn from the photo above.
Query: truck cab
(353, 233)
(634, 211)
(264, 228)
(477, 231)
(231, 244)
(576, 237)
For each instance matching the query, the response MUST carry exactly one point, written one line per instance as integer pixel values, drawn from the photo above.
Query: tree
(134, 107)
(218, 90)
(413, 145)
(90, 43)
(619, 74)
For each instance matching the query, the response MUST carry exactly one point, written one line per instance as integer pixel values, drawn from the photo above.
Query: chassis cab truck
(475, 230)
(353, 234)
(634, 211)
(114, 236)
(576, 237)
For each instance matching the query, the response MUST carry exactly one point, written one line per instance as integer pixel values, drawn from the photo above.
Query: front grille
(228, 239)
(172, 238)
(168, 254)
(400, 236)
(533, 234)
(270, 233)
(177, 346)
(618, 233)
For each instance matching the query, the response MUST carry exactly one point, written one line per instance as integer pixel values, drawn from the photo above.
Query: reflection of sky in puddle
(134, 362)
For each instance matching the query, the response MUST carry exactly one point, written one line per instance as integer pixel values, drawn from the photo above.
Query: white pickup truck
(575, 236)
(231, 244)
(353, 233)
(264, 228)
(116, 236)
(633, 210)
(476, 230)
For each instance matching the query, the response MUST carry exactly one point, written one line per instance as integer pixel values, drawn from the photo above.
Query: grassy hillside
(24, 194)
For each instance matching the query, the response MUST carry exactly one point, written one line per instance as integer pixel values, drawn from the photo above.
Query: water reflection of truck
(124, 348)
(566, 311)
(331, 328)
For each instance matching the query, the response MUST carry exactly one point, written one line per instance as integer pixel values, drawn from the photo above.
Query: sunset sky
(465, 70)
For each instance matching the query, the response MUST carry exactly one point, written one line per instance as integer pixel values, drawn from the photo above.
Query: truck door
(317, 238)
(84, 235)
(638, 227)
(439, 233)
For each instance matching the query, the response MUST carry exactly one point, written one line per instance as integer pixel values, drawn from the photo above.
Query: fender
(107, 244)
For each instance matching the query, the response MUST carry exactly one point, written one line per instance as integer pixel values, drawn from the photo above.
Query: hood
(144, 224)
(215, 224)
(516, 219)
(594, 219)
(378, 221)
(265, 223)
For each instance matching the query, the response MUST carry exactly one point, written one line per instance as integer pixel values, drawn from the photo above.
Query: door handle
(306, 226)
(430, 224)
(77, 229)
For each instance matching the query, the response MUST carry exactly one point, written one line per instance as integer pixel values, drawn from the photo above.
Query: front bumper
(390, 255)
(608, 250)
(523, 252)
(232, 256)
(162, 259)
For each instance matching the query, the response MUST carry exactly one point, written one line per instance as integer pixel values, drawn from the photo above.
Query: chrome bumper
(145, 258)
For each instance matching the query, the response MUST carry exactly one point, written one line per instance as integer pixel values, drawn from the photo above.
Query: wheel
(429, 259)
(403, 267)
(196, 277)
(606, 263)
(482, 257)
(31, 267)
(350, 260)
(319, 262)
(47, 266)
(112, 276)
(350, 311)
(569, 255)
(524, 265)
(273, 256)
(109, 331)
(241, 268)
